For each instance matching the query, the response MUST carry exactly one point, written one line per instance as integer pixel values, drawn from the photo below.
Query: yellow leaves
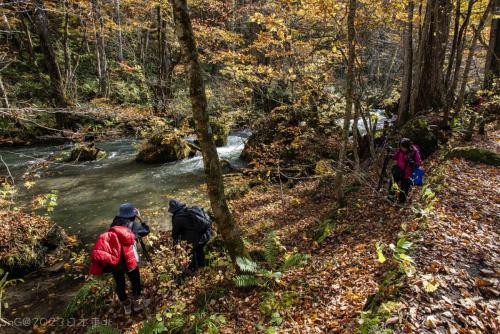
(430, 283)
(29, 184)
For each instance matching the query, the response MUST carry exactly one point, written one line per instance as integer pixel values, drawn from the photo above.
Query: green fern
(246, 281)
(89, 298)
(103, 329)
(246, 265)
(293, 260)
(152, 326)
(273, 246)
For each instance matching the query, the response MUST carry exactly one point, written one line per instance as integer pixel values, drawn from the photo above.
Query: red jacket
(110, 246)
(402, 158)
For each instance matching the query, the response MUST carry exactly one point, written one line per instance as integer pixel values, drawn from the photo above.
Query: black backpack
(201, 219)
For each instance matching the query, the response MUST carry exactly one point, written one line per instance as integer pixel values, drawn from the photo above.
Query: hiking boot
(141, 303)
(127, 307)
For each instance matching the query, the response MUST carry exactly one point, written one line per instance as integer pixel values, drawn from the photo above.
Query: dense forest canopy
(280, 117)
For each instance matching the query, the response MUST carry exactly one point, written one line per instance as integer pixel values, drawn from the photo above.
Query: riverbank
(329, 292)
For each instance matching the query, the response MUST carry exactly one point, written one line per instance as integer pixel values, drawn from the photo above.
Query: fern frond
(152, 326)
(272, 249)
(245, 281)
(293, 260)
(246, 265)
(102, 329)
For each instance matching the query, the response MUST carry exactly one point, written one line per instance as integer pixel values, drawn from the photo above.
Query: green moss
(161, 148)
(220, 131)
(85, 153)
(475, 154)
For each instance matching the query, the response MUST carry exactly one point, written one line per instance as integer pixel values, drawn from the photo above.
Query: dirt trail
(460, 253)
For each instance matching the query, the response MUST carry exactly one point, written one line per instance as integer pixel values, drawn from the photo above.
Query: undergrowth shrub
(269, 272)
(90, 298)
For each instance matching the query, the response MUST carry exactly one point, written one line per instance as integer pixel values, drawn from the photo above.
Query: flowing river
(88, 194)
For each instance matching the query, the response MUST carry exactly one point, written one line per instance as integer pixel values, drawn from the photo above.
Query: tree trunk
(492, 67)
(470, 56)
(456, 28)
(351, 58)
(355, 135)
(226, 225)
(29, 41)
(450, 95)
(42, 28)
(5, 99)
(120, 37)
(429, 81)
(406, 82)
(67, 62)
(102, 67)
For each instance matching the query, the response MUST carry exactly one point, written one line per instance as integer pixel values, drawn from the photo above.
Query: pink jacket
(401, 158)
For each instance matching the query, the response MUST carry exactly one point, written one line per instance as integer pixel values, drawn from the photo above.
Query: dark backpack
(201, 219)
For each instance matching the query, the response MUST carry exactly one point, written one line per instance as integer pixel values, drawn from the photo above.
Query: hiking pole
(145, 250)
(384, 168)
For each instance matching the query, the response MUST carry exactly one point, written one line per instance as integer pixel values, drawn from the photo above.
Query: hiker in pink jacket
(407, 159)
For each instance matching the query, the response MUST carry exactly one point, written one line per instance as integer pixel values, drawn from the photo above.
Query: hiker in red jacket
(115, 252)
(407, 159)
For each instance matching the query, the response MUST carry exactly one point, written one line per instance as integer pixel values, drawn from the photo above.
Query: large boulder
(86, 152)
(162, 148)
(422, 135)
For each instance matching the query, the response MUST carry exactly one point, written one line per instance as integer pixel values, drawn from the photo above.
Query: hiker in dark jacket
(407, 159)
(115, 252)
(186, 226)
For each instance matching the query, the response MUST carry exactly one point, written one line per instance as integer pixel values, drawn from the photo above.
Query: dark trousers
(197, 257)
(134, 278)
(403, 183)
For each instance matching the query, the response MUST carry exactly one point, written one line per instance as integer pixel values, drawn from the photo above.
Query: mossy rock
(54, 238)
(475, 154)
(162, 148)
(220, 131)
(82, 153)
(324, 167)
(420, 134)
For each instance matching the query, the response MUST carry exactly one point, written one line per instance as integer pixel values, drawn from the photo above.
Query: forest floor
(457, 246)
(453, 287)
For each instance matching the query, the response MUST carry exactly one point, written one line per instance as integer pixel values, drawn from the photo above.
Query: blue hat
(127, 210)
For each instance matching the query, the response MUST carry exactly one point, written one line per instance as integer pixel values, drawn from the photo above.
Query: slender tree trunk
(470, 56)
(355, 133)
(456, 28)
(492, 67)
(351, 58)
(5, 99)
(67, 62)
(120, 37)
(406, 82)
(226, 225)
(450, 95)
(101, 51)
(29, 41)
(42, 28)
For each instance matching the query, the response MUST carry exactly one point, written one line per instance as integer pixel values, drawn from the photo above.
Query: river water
(88, 194)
